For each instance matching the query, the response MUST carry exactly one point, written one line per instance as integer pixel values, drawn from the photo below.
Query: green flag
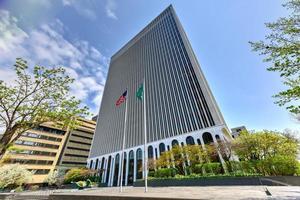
(139, 92)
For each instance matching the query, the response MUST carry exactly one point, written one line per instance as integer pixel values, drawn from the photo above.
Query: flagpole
(145, 141)
(123, 146)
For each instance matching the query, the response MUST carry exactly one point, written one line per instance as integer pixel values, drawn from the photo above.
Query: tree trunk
(6, 140)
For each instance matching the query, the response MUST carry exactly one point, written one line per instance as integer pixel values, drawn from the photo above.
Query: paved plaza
(212, 192)
(220, 192)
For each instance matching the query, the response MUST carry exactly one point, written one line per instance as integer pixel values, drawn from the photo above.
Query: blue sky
(83, 35)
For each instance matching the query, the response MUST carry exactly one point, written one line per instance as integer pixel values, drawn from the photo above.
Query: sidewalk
(215, 192)
(157, 193)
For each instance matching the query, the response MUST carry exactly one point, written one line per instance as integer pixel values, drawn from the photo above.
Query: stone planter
(222, 181)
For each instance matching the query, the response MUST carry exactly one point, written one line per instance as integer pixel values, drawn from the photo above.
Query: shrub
(151, 173)
(198, 169)
(165, 173)
(277, 165)
(193, 175)
(78, 174)
(248, 167)
(81, 183)
(211, 175)
(34, 187)
(52, 178)
(14, 175)
(179, 176)
(262, 167)
(188, 170)
(298, 169)
(93, 178)
(214, 167)
(233, 166)
(19, 189)
(281, 165)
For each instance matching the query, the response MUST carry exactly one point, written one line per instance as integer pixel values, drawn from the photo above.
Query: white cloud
(47, 46)
(10, 36)
(83, 8)
(86, 8)
(43, 3)
(66, 2)
(97, 98)
(110, 9)
(8, 75)
(75, 65)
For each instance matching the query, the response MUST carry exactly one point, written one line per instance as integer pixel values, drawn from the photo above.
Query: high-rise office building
(180, 107)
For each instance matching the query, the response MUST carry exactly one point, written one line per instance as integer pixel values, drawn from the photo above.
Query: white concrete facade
(216, 133)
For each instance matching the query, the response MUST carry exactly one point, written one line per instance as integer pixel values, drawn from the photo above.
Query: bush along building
(47, 148)
(154, 76)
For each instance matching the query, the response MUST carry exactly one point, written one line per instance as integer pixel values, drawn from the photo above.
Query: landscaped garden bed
(263, 158)
(15, 178)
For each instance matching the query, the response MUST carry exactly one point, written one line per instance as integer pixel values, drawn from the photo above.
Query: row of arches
(110, 167)
(207, 139)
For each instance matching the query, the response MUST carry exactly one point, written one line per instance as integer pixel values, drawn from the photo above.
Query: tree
(175, 158)
(264, 144)
(200, 157)
(151, 164)
(267, 152)
(181, 156)
(197, 155)
(225, 150)
(164, 159)
(282, 49)
(37, 96)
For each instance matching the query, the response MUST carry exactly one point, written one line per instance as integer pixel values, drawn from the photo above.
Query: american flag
(121, 99)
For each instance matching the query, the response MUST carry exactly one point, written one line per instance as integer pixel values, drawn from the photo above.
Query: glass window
(207, 138)
(162, 148)
(139, 164)
(150, 152)
(190, 140)
(174, 143)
